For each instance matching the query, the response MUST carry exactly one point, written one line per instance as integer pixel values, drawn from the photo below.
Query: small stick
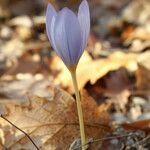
(104, 139)
(21, 131)
(110, 138)
(141, 141)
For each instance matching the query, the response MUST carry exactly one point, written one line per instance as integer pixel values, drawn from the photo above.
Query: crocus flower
(68, 32)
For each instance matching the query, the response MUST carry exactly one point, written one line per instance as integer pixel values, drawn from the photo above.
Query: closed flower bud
(67, 32)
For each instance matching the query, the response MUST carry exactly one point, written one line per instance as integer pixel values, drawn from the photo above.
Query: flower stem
(79, 108)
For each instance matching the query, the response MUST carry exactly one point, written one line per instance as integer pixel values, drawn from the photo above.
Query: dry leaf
(57, 64)
(25, 65)
(139, 46)
(53, 123)
(92, 70)
(137, 13)
(138, 125)
(143, 72)
(13, 48)
(64, 3)
(110, 84)
(17, 90)
(140, 33)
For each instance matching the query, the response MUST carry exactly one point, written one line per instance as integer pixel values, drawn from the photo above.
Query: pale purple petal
(67, 36)
(50, 13)
(51, 32)
(84, 21)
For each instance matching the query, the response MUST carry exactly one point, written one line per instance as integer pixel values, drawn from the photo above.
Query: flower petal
(67, 36)
(52, 34)
(50, 13)
(84, 20)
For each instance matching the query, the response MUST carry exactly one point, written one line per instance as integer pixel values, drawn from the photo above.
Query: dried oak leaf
(92, 70)
(53, 123)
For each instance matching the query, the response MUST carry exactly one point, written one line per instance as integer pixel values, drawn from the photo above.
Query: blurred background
(114, 69)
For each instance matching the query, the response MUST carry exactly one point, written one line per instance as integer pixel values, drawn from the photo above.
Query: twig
(21, 131)
(141, 141)
(104, 139)
(112, 137)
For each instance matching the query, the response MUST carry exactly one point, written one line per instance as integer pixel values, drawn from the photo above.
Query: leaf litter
(52, 123)
(113, 75)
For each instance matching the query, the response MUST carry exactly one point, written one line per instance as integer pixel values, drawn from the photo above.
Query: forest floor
(36, 91)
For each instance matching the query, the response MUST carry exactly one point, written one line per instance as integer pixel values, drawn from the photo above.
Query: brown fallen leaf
(13, 48)
(24, 65)
(57, 65)
(143, 71)
(64, 3)
(110, 84)
(21, 7)
(51, 123)
(140, 33)
(92, 70)
(138, 125)
(17, 90)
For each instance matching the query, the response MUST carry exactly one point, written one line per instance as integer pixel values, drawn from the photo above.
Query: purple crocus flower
(68, 32)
